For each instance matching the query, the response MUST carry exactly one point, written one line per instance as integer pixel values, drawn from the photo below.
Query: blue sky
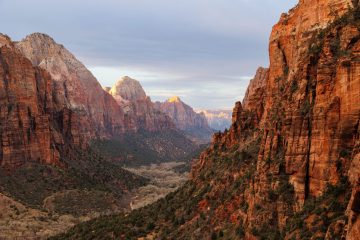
(204, 51)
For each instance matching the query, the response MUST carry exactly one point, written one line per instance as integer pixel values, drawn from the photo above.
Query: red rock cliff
(315, 98)
(34, 127)
(75, 87)
(305, 109)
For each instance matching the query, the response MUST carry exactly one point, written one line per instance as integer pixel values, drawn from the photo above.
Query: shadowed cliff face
(75, 87)
(33, 125)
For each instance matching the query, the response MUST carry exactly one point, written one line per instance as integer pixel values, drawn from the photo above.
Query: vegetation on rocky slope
(212, 206)
(84, 170)
(250, 184)
(147, 147)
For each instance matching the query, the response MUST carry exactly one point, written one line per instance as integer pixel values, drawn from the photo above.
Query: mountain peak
(128, 80)
(40, 47)
(41, 36)
(174, 99)
(128, 88)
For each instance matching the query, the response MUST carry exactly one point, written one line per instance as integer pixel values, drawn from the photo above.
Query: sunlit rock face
(312, 94)
(138, 107)
(288, 167)
(74, 86)
(255, 93)
(305, 109)
(185, 118)
(127, 90)
(182, 114)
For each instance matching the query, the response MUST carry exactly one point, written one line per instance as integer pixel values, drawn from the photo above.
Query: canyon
(288, 167)
(78, 161)
(57, 126)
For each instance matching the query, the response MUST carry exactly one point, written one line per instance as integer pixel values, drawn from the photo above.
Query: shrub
(240, 231)
(294, 86)
(315, 49)
(150, 226)
(344, 153)
(272, 195)
(254, 231)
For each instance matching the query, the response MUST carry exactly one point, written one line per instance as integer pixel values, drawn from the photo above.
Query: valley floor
(164, 178)
(18, 221)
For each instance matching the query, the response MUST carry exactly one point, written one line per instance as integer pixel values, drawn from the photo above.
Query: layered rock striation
(33, 125)
(306, 106)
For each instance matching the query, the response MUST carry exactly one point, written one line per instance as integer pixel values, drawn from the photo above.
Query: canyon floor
(18, 221)
(164, 178)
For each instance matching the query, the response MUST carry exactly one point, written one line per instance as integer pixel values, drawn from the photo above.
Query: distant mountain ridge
(218, 119)
(97, 113)
(186, 119)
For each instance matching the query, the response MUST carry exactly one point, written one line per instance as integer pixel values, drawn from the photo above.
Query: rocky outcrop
(75, 87)
(185, 118)
(138, 107)
(218, 119)
(127, 90)
(255, 93)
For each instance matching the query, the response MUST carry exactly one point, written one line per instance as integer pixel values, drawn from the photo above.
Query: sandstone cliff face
(138, 107)
(33, 126)
(255, 94)
(185, 118)
(353, 210)
(127, 89)
(306, 106)
(75, 87)
(316, 109)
